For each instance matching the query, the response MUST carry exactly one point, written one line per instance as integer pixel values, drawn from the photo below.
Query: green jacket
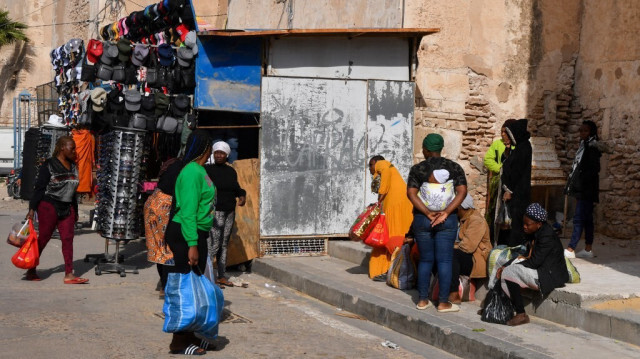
(492, 159)
(195, 193)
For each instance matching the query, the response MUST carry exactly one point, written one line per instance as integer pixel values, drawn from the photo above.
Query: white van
(6, 150)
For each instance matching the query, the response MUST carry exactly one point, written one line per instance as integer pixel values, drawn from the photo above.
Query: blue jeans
(582, 220)
(435, 244)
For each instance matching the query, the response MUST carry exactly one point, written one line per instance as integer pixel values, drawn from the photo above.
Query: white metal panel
(379, 58)
(312, 155)
(390, 126)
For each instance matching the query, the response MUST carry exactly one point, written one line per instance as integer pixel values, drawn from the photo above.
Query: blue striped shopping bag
(192, 304)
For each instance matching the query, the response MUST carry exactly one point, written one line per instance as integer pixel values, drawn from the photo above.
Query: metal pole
(14, 133)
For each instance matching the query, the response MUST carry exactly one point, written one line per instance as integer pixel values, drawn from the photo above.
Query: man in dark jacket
(583, 184)
(544, 269)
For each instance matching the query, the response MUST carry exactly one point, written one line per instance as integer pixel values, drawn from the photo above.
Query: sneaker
(569, 254)
(584, 254)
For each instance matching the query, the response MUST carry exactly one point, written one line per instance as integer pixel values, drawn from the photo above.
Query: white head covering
(221, 146)
(467, 203)
(441, 175)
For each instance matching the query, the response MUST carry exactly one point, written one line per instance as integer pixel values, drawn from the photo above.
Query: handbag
(28, 256)
(497, 307)
(364, 224)
(574, 275)
(18, 234)
(118, 73)
(188, 77)
(402, 272)
(192, 304)
(152, 72)
(88, 73)
(138, 121)
(104, 72)
(379, 236)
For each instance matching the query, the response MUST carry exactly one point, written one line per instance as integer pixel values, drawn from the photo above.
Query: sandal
(224, 281)
(76, 280)
(190, 350)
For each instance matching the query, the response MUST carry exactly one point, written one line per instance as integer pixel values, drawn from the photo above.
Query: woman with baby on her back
(435, 195)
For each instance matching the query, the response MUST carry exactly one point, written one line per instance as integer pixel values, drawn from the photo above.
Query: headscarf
(381, 166)
(517, 131)
(467, 203)
(441, 175)
(433, 142)
(536, 212)
(222, 146)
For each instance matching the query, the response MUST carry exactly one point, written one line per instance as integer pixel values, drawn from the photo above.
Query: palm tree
(11, 31)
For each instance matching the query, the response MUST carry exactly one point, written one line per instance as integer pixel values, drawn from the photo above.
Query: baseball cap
(94, 51)
(109, 53)
(132, 100)
(124, 50)
(98, 98)
(165, 55)
(180, 105)
(140, 54)
(190, 42)
(185, 56)
(148, 105)
(162, 103)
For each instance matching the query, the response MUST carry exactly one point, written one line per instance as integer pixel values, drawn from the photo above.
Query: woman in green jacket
(189, 227)
(493, 159)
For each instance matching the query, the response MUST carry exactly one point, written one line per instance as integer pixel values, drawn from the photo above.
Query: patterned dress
(156, 219)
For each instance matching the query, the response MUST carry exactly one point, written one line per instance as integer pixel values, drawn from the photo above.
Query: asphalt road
(117, 317)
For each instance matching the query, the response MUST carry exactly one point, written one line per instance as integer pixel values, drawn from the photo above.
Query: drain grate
(293, 246)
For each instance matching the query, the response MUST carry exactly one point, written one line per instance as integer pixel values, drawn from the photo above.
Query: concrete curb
(560, 306)
(430, 329)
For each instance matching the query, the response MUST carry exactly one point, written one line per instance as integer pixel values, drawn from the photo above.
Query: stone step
(347, 286)
(576, 305)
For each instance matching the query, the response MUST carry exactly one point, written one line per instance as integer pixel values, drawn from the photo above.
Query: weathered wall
(606, 91)
(314, 14)
(491, 61)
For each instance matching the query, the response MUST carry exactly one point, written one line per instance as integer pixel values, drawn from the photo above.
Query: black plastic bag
(497, 307)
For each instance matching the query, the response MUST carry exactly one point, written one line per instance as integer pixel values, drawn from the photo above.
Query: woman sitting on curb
(472, 251)
(544, 269)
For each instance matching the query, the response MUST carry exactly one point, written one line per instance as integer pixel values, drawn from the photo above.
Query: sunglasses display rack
(119, 209)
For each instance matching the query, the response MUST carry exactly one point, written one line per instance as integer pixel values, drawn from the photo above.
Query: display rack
(121, 169)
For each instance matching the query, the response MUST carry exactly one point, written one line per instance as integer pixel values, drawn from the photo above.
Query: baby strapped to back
(438, 192)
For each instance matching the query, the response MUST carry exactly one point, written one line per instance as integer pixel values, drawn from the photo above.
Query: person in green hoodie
(189, 227)
(493, 159)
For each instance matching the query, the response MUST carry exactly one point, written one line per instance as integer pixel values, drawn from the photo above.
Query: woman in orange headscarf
(392, 194)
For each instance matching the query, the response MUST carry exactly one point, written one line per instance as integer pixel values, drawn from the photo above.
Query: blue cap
(165, 55)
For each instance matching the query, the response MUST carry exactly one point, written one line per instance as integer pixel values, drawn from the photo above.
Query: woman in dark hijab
(516, 178)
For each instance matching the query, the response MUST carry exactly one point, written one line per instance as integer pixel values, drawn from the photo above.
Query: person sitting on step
(544, 269)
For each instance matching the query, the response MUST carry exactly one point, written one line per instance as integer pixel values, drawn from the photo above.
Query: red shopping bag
(379, 236)
(28, 255)
(364, 224)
